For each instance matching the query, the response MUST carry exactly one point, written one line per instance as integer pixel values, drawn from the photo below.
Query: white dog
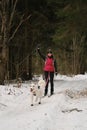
(37, 91)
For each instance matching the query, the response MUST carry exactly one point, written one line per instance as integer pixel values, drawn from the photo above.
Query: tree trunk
(4, 49)
(30, 67)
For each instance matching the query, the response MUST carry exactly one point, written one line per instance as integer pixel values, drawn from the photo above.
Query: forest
(26, 25)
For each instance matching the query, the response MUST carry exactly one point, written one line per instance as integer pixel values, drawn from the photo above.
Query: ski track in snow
(17, 114)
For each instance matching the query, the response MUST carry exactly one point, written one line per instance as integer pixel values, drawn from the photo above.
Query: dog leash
(47, 78)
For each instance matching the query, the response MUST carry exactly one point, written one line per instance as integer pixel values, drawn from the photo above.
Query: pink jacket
(49, 65)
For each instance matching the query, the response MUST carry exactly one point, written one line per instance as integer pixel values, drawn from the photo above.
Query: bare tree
(78, 53)
(7, 14)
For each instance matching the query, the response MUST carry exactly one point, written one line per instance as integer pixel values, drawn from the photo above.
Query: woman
(50, 68)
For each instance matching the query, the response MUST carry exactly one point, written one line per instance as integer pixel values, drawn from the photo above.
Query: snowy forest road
(65, 110)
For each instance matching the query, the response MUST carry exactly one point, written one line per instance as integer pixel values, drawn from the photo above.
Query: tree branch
(12, 14)
(15, 31)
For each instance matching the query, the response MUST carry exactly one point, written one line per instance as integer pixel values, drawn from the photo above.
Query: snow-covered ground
(59, 112)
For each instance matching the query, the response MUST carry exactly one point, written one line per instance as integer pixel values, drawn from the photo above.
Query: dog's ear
(31, 89)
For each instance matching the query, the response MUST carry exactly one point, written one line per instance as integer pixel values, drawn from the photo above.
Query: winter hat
(49, 51)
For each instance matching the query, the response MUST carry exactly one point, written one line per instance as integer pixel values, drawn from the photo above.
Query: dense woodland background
(57, 24)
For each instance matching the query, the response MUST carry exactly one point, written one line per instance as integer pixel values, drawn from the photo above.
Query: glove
(38, 48)
(56, 73)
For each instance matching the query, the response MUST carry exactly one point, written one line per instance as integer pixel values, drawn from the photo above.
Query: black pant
(49, 76)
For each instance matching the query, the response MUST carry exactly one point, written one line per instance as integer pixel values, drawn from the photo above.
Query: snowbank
(59, 112)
